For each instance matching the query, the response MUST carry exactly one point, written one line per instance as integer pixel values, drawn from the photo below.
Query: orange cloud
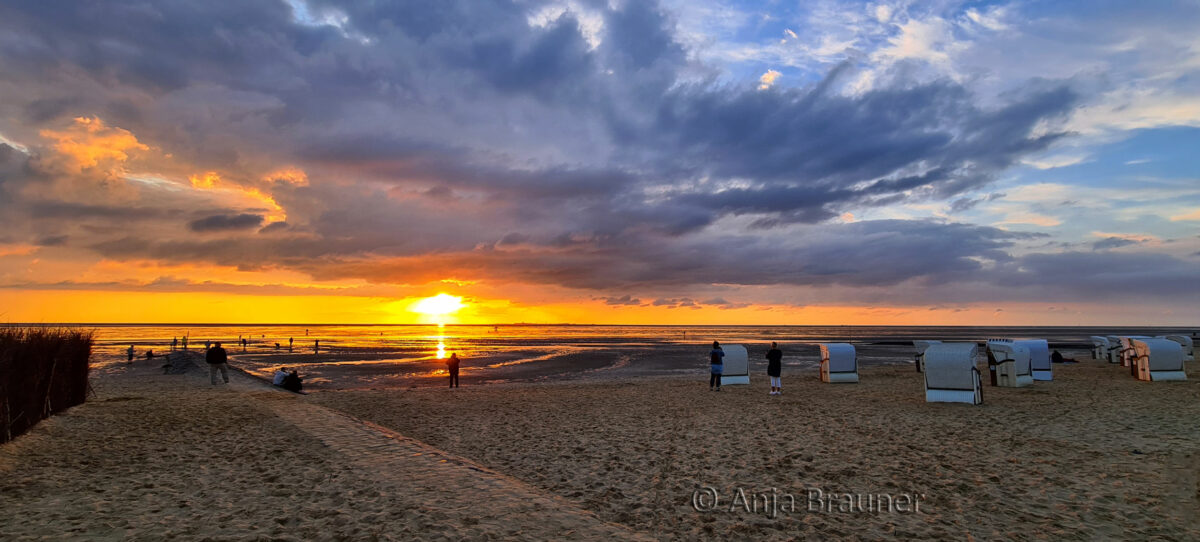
(205, 181)
(211, 180)
(290, 175)
(88, 143)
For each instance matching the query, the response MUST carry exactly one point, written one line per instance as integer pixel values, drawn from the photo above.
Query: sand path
(168, 456)
(463, 492)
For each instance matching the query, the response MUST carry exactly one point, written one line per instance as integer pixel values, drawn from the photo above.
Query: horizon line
(531, 324)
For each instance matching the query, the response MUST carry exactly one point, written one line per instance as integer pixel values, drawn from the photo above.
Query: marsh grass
(42, 371)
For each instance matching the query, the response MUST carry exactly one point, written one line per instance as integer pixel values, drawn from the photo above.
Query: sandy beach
(1092, 455)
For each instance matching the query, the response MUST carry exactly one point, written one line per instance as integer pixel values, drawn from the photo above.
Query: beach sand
(159, 457)
(1092, 455)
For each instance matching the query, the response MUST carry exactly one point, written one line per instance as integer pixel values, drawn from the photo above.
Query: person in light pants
(217, 360)
(774, 368)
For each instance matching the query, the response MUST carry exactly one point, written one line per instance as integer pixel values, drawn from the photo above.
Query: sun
(438, 305)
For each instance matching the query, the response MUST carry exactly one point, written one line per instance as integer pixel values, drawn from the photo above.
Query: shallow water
(402, 356)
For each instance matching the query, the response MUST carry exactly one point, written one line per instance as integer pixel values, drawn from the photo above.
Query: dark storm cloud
(174, 284)
(858, 254)
(52, 241)
(1070, 275)
(236, 222)
(623, 300)
(455, 135)
(60, 210)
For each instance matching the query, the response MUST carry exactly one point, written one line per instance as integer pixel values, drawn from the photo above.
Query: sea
(332, 357)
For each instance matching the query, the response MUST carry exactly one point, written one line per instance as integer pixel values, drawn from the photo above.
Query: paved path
(464, 493)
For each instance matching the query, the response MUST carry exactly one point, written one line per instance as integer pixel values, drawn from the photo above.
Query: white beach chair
(1189, 349)
(1114, 349)
(736, 365)
(950, 374)
(1010, 363)
(1039, 358)
(839, 362)
(920, 359)
(1099, 347)
(1158, 359)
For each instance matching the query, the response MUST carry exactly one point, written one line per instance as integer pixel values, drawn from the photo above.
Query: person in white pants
(774, 368)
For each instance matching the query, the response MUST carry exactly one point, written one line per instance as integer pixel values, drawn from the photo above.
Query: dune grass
(42, 371)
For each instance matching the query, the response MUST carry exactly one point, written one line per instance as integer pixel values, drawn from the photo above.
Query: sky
(584, 161)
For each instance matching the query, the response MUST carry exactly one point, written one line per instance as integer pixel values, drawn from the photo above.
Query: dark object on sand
(292, 382)
(1056, 357)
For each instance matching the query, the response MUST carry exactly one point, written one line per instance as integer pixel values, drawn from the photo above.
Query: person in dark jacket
(774, 367)
(217, 360)
(716, 360)
(452, 365)
(292, 382)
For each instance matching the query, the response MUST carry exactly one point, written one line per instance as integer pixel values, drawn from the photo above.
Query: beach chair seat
(1189, 349)
(951, 375)
(839, 362)
(1099, 348)
(736, 365)
(920, 359)
(1156, 360)
(1009, 363)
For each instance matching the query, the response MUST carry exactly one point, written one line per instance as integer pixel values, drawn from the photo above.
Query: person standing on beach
(452, 364)
(774, 367)
(717, 366)
(217, 360)
(130, 352)
(316, 346)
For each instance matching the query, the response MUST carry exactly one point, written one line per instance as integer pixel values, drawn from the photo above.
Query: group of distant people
(774, 367)
(290, 381)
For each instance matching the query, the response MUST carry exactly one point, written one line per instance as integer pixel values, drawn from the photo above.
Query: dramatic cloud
(626, 152)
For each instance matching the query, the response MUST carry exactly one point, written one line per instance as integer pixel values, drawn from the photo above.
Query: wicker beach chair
(1099, 347)
(950, 374)
(839, 362)
(920, 358)
(1189, 349)
(1156, 360)
(1009, 363)
(737, 365)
